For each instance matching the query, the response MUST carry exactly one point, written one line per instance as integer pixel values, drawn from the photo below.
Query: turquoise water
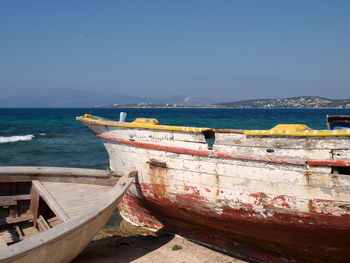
(52, 137)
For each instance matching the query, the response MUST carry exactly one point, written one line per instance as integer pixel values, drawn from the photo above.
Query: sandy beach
(133, 244)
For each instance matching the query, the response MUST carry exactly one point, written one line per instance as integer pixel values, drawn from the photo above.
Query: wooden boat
(338, 122)
(278, 195)
(50, 214)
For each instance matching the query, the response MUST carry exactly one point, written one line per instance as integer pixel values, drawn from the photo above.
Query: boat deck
(76, 199)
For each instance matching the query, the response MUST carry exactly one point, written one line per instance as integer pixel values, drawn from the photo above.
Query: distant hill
(295, 102)
(71, 98)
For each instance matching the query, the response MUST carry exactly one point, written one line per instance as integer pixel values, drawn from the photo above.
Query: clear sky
(227, 50)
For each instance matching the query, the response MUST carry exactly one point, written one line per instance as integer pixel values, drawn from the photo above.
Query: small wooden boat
(278, 195)
(50, 214)
(338, 122)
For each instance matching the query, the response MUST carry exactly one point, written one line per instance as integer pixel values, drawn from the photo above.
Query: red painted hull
(284, 238)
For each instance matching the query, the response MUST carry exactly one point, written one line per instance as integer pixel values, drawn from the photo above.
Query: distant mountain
(295, 102)
(71, 98)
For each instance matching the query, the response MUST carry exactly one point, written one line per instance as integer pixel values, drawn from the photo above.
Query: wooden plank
(12, 199)
(341, 154)
(7, 202)
(9, 236)
(29, 231)
(282, 142)
(204, 153)
(10, 221)
(2, 243)
(273, 152)
(13, 211)
(34, 204)
(20, 232)
(53, 171)
(42, 224)
(16, 197)
(50, 201)
(57, 174)
(54, 221)
(157, 136)
(107, 181)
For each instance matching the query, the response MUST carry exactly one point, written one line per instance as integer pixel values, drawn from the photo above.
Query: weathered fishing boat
(278, 195)
(338, 122)
(50, 214)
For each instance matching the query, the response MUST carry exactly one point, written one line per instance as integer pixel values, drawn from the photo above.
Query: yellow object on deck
(147, 121)
(296, 130)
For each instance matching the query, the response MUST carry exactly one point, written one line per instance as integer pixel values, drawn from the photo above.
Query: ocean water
(52, 137)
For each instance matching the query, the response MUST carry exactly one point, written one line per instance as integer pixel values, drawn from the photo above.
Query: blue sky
(227, 50)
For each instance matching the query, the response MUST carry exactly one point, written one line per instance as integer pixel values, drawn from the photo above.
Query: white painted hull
(281, 181)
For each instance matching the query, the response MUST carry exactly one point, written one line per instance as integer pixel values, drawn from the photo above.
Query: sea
(52, 137)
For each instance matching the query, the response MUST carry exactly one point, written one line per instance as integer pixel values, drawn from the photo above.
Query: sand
(132, 244)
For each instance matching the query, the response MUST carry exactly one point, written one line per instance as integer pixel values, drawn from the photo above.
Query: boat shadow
(119, 249)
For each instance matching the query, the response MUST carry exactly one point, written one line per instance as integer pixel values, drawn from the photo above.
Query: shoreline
(238, 108)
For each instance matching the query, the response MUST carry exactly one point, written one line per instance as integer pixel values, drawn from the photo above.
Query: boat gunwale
(264, 133)
(136, 125)
(53, 171)
(54, 174)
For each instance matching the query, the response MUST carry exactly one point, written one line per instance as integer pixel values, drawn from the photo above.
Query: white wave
(27, 137)
(42, 134)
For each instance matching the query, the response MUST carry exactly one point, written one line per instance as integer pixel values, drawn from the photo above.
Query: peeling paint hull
(273, 199)
(280, 239)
